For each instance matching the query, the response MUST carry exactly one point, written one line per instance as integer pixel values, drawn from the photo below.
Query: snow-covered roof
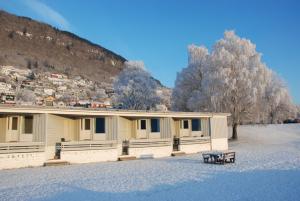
(104, 112)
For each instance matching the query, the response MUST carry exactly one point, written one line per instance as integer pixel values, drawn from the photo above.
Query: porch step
(56, 163)
(178, 153)
(126, 158)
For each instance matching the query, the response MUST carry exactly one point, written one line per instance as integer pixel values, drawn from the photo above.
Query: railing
(194, 140)
(140, 143)
(85, 145)
(21, 147)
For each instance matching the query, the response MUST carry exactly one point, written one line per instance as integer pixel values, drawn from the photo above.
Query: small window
(28, 124)
(196, 125)
(14, 125)
(143, 124)
(100, 125)
(185, 124)
(87, 124)
(155, 125)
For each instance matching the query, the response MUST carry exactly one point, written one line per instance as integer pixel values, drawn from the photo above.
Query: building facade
(31, 136)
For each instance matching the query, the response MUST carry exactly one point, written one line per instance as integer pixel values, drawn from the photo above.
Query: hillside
(26, 43)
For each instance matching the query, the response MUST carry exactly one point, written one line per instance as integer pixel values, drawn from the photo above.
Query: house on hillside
(31, 136)
(49, 101)
(8, 98)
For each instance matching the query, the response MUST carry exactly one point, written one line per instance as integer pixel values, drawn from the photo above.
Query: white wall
(89, 156)
(219, 144)
(155, 152)
(18, 160)
(195, 148)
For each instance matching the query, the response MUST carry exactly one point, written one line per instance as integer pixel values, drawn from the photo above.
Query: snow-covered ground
(267, 168)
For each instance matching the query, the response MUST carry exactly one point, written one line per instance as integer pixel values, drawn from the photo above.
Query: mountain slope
(26, 43)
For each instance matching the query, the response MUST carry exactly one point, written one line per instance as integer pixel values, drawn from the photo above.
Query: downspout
(45, 135)
(209, 131)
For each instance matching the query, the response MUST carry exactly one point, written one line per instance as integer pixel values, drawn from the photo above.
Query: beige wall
(125, 128)
(39, 128)
(112, 130)
(61, 127)
(205, 126)
(3, 129)
(219, 128)
(166, 128)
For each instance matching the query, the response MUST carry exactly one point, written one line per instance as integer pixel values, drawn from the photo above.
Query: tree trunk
(234, 131)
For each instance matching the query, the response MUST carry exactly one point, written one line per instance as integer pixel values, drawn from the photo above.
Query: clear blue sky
(159, 31)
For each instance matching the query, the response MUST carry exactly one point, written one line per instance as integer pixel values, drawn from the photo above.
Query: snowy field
(267, 168)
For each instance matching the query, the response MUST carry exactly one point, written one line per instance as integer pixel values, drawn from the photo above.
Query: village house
(8, 97)
(33, 136)
(4, 87)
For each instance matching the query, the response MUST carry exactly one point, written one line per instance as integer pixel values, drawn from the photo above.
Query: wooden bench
(206, 158)
(219, 157)
(229, 157)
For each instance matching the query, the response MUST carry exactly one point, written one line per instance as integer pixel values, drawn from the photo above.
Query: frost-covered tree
(135, 88)
(232, 78)
(278, 102)
(298, 111)
(189, 79)
(98, 94)
(165, 97)
(25, 95)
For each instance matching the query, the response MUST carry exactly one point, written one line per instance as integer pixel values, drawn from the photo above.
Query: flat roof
(17, 109)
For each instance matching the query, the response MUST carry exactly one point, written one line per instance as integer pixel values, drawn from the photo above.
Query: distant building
(49, 101)
(8, 98)
(39, 101)
(4, 87)
(49, 92)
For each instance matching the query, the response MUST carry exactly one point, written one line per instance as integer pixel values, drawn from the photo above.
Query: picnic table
(219, 157)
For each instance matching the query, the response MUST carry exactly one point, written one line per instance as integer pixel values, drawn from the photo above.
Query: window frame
(182, 124)
(102, 131)
(85, 124)
(141, 124)
(157, 130)
(31, 122)
(199, 125)
(12, 123)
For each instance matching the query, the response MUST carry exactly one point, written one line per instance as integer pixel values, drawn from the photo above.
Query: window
(87, 124)
(28, 124)
(196, 125)
(185, 124)
(155, 127)
(14, 125)
(100, 125)
(143, 124)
